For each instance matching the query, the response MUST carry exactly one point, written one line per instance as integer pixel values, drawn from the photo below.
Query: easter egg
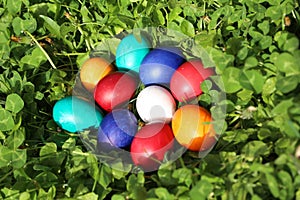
(155, 104)
(186, 80)
(130, 52)
(74, 115)
(118, 128)
(193, 129)
(159, 65)
(150, 144)
(93, 70)
(115, 90)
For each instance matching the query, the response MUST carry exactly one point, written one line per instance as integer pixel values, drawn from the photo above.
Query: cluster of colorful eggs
(167, 79)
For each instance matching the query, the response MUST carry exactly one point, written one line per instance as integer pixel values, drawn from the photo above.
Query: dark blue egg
(159, 65)
(74, 114)
(118, 128)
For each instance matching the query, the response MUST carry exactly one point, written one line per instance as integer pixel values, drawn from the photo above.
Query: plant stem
(182, 162)
(42, 49)
(6, 175)
(69, 54)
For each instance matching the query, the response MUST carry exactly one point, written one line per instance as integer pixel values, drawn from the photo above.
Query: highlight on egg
(159, 65)
(150, 145)
(74, 114)
(118, 128)
(115, 90)
(192, 126)
(186, 81)
(131, 51)
(155, 104)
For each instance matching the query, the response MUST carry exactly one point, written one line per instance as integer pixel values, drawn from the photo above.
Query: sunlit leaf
(231, 79)
(159, 17)
(273, 185)
(6, 120)
(14, 103)
(105, 176)
(254, 149)
(20, 25)
(265, 42)
(201, 190)
(173, 15)
(14, 6)
(16, 139)
(47, 149)
(50, 194)
(274, 13)
(252, 80)
(33, 60)
(283, 107)
(287, 84)
(264, 27)
(183, 175)
(287, 63)
(162, 193)
(51, 25)
(205, 39)
(291, 129)
(291, 44)
(251, 62)
(15, 158)
(242, 53)
(187, 28)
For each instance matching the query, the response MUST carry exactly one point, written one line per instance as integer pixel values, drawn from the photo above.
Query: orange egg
(193, 129)
(93, 70)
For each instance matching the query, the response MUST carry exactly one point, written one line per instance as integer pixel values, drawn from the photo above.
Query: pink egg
(155, 104)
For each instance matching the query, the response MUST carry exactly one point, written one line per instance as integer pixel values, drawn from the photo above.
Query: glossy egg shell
(193, 129)
(150, 144)
(118, 128)
(115, 90)
(74, 115)
(159, 65)
(155, 104)
(186, 80)
(93, 70)
(130, 52)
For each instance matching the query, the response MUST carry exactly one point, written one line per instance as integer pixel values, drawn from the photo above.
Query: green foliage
(255, 47)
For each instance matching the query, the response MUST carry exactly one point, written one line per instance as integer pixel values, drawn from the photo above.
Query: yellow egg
(193, 129)
(93, 70)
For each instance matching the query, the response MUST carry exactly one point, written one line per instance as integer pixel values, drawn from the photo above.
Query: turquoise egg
(131, 52)
(74, 115)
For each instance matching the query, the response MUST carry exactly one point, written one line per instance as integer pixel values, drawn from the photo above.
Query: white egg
(155, 104)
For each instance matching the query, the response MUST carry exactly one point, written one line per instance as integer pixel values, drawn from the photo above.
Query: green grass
(255, 47)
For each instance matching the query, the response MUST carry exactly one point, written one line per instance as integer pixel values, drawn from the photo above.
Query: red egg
(150, 144)
(186, 81)
(115, 90)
